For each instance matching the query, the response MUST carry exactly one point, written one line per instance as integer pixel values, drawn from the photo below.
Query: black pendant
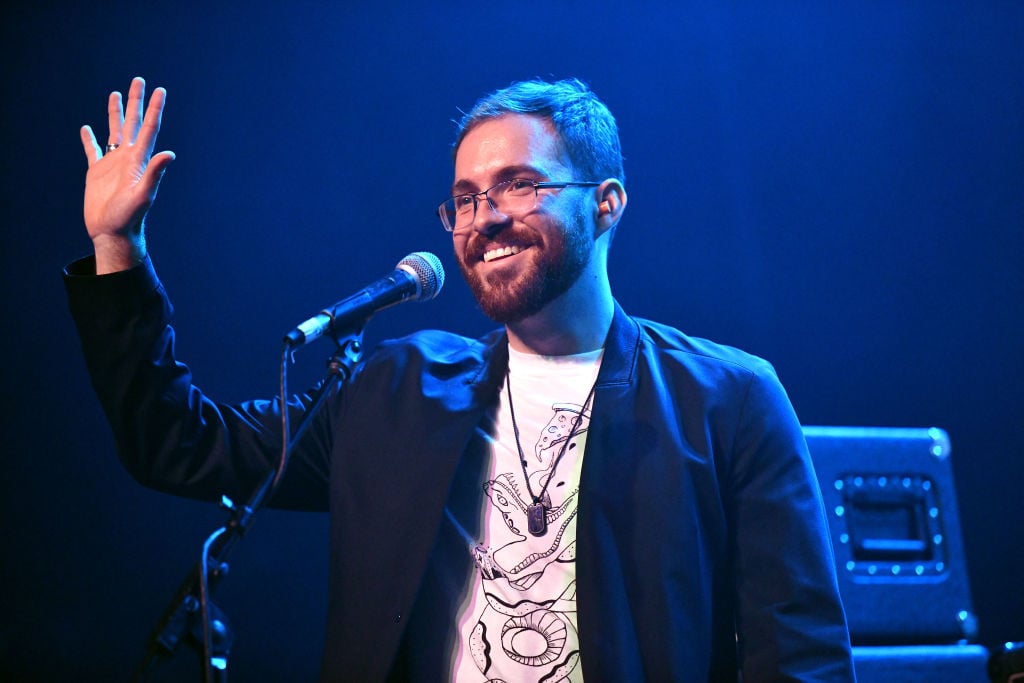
(536, 519)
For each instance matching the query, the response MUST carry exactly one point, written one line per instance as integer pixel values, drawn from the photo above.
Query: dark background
(838, 187)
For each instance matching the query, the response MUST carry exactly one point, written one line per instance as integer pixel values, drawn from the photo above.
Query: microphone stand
(191, 616)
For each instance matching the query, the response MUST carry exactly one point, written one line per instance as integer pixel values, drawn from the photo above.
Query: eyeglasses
(515, 196)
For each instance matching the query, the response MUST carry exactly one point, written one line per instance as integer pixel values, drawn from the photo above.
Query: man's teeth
(499, 253)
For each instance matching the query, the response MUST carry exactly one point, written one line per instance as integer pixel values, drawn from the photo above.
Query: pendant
(536, 519)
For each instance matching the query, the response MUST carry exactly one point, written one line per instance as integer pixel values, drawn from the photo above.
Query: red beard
(553, 268)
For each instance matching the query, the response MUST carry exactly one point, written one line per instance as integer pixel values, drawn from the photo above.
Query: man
(660, 478)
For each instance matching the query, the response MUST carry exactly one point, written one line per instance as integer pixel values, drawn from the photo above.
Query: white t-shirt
(517, 619)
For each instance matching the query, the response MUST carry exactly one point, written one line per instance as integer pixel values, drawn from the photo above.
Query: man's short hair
(587, 130)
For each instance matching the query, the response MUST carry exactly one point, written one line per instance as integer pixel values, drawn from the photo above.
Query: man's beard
(554, 268)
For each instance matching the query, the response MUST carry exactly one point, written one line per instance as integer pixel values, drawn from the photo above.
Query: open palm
(122, 182)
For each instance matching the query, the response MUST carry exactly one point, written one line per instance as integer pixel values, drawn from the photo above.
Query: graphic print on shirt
(526, 629)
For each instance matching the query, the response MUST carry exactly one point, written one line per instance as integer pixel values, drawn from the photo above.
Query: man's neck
(564, 327)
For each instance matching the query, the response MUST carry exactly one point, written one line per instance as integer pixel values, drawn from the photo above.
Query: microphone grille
(428, 270)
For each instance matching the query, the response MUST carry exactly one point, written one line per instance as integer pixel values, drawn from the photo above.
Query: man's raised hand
(123, 178)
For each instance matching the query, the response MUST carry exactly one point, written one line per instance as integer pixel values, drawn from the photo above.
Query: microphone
(417, 277)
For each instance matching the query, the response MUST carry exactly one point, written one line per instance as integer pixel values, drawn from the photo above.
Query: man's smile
(501, 252)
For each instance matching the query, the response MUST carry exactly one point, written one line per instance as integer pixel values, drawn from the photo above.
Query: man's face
(516, 264)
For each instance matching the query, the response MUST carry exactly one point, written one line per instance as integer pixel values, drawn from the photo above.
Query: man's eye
(519, 185)
(464, 201)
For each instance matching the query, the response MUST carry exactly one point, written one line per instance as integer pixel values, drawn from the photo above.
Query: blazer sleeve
(169, 435)
(790, 621)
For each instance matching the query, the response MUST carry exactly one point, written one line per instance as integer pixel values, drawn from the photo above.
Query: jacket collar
(618, 366)
(621, 350)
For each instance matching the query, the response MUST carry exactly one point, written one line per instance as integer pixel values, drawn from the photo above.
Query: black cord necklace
(536, 512)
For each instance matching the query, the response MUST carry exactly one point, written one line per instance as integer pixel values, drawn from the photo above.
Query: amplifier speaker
(920, 664)
(892, 515)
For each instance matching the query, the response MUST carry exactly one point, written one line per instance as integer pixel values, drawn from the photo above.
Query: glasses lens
(519, 188)
(449, 214)
(457, 212)
(510, 197)
(513, 196)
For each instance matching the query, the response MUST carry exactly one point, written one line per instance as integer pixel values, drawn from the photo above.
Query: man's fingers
(155, 171)
(133, 111)
(92, 148)
(153, 174)
(151, 123)
(115, 119)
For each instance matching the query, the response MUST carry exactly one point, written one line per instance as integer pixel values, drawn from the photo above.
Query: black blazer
(702, 548)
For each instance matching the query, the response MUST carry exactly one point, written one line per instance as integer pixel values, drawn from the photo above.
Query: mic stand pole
(191, 615)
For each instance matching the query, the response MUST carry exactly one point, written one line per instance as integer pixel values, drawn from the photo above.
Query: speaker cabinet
(895, 529)
(892, 515)
(920, 664)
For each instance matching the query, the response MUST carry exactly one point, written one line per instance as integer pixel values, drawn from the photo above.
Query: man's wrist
(116, 253)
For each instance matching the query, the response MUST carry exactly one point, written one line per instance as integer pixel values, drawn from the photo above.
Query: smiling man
(578, 495)
(532, 240)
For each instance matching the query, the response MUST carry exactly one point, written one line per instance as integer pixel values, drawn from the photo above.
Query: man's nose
(488, 217)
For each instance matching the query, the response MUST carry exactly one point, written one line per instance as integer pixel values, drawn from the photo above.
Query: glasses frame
(537, 185)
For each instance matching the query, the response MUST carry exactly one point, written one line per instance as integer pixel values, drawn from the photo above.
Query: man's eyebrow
(462, 187)
(526, 171)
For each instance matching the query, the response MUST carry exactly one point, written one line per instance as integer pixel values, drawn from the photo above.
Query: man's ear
(610, 204)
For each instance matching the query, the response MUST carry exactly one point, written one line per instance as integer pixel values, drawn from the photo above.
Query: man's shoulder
(439, 344)
(437, 351)
(670, 342)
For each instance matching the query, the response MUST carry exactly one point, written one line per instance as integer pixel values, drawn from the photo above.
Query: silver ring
(112, 147)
